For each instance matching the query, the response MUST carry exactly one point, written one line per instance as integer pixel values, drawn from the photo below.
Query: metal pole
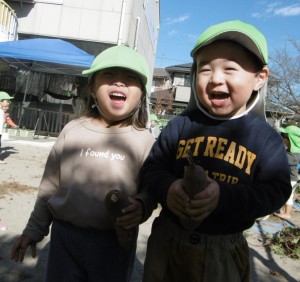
(24, 99)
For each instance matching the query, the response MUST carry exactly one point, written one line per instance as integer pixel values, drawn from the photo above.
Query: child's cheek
(199, 87)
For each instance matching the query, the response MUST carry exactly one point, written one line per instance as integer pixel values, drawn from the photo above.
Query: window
(187, 81)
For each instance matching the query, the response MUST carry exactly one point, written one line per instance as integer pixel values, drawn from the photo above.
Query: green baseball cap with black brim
(123, 57)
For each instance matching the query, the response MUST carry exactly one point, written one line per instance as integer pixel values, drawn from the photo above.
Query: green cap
(123, 57)
(153, 117)
(245, 34)
(5, 96)
(293, 132)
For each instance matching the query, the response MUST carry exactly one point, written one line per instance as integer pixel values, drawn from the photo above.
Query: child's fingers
(196, 212)
(129, 217)
(18, 254)
(22, 253)
(177, 200)
(209, 192)
(200, 217)
(178, 207)
(135, 205)
(19, 248)
(130, 225)
(132, 217)
(199, 209)
(129, 221)
(33, 250)
(14, 255)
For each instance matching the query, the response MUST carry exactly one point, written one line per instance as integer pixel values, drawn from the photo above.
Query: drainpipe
(121, 22)
(137, 29)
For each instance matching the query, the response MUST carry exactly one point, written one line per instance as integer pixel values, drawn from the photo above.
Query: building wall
(182, 94)
(181, 79)
(160, 83)
(108, 22)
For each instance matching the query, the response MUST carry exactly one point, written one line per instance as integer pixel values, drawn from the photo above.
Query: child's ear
(261, 77)
(92, 92)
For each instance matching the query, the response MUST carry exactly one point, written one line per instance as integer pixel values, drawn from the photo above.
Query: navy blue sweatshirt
(246, 156)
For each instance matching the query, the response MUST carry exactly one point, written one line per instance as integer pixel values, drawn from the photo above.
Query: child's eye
(232, 66)
(132, 77)
(204, 70)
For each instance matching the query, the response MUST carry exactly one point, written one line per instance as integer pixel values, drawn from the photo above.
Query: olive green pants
(176, 255)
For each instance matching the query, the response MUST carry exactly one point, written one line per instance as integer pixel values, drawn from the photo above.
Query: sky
(182, 22)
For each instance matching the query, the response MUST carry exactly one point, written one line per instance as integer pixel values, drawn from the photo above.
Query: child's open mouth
(220, 96)
(219, 99)
(117, 97)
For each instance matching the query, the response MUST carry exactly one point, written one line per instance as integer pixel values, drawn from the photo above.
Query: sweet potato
(115, 201)
(194, 181)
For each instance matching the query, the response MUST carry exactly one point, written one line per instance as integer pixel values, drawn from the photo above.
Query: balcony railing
(8, 23)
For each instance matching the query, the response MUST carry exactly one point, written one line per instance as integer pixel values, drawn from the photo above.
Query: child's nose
(119, 79)
(217, 77)
(119, 83)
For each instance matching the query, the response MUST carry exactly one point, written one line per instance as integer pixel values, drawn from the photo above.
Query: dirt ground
(19, 179)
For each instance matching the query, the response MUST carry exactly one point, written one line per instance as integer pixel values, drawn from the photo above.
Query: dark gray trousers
(87, 254)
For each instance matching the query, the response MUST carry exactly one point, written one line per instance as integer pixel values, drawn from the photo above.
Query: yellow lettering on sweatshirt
(218, 148)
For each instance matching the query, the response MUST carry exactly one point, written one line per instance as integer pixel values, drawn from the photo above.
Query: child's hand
(205, 202)
(177, 199)
(20, 246)
(132, 215)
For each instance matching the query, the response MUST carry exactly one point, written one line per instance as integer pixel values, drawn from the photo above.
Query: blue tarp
(45, 55)
(267, 226)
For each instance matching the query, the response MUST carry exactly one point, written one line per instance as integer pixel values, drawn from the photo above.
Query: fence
(50, 123)
(42, 122)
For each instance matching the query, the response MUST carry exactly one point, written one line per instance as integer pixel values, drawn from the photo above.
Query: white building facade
(92, 25)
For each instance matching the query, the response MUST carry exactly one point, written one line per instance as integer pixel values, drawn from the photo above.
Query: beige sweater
(85, 163)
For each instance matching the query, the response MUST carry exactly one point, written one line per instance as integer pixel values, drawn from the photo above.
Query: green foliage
(286, 242)
(178, 111)
(247, 234)
(298, 189)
